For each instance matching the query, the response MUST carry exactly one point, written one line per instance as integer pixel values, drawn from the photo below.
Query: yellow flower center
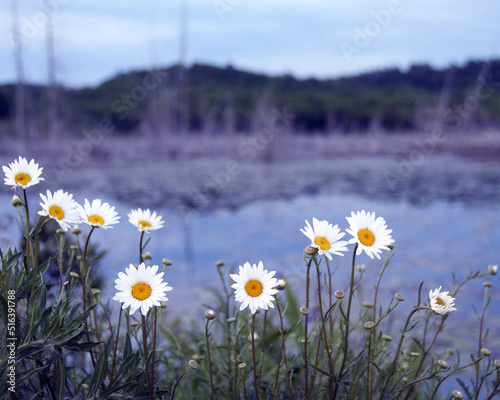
(366, 237)
(96, 219)
(22, 178)
(322, 242)
(440, 302)
(141, 291)
(56, 212)
(254, 288)
(144, 224)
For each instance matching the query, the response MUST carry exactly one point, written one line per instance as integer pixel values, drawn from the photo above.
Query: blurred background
(237, 120)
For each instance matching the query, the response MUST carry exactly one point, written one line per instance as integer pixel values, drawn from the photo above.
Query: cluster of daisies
(255, 286)
(143, 288)
(139, 288)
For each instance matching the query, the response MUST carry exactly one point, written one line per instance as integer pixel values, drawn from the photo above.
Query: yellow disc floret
(322, 242)
(366, 237)
(96, 219)
(56, 212)
(254, 288)
(141, 291)
(22, 178)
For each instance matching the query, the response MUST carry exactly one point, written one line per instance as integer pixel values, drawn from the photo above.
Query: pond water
(444, 213)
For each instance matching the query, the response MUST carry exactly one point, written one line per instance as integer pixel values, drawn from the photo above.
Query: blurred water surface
(444, 213)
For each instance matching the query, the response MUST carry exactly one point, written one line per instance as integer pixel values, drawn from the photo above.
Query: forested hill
(220, 100)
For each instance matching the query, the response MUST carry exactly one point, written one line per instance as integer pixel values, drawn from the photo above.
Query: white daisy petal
(98, 214)
(325, 237)
(371, 235)
(254, 287)
(440, 302)
(60, 207)
(140, 288)
(144, 220)
(20, 173)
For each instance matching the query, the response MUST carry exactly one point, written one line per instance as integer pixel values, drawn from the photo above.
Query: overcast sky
(95, 39)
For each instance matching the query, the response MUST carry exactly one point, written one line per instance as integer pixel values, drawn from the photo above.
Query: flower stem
(255, 378)
(396, 355)
(141, 258)
(306, 323)
(28, 242)
(116, 342)
(346, 340)
(207, 334)
(145, 355)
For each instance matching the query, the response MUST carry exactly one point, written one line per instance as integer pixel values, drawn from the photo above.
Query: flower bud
(73, 247)
(369, 325)
(95, 292)
(193, 364)
(219, 264)
(74, 275)
(281, 284)
(485, 352)
(457, 394)
(339, 294)
(496, 363)
(399, 297)
(367, 304)
(134, 324)
(487, 284)
(242, 366)
(414, 354)
(60, 232)
(387, 338)
(231, 320)
(442, 364)
(310, 250)
(147, 255)
(390, 246)
(16, 201)
(361, 267)
(304, 311)
(166, 262)
(210, 314)
(493, 269)
(76, 230)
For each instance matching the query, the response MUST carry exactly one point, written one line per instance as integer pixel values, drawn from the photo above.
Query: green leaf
(61, 378)
(100, 372)
(35, 309)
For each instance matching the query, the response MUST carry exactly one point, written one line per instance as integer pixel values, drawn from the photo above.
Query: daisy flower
(371, 234)
(325, 237)
(61, 207)
(141, 288)
(98, 214)
(440, 302)
(254, 287)
(144, 220)
(20, 173)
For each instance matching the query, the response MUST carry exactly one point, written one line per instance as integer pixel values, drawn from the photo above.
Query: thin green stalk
(346, 340)
(178, 381)
(477, 386)
(154, 347)
(207, 334)
(141, 258)
(255, 377)
(396, 355)
(84, 275)
(28, 243)
(263, 341)
(306, 323)
(145, 355)
(113, 371)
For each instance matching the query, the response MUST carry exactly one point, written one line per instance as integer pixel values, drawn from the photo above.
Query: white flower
(440, 302)
(371, 234)
(98, 214)
(141, 288)
(254, 287)
(60, 207)
(20, 173)
(325, 237)
(144, 220)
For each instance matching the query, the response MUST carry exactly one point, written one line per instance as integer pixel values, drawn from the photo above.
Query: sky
(96, 39)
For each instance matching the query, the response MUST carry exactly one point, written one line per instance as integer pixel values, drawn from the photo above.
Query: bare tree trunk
(20, 126)
(182, 77)
(52, 120)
